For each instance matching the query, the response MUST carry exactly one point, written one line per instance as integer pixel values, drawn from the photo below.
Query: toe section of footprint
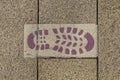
(60, 49)
(71, 42)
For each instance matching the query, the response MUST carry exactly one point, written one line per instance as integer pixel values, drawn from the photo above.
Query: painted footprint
(70, 41)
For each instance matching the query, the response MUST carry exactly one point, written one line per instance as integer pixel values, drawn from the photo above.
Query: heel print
(40, 43)
(30, 41)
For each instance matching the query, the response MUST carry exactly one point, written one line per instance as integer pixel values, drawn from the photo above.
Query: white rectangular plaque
(60, 40)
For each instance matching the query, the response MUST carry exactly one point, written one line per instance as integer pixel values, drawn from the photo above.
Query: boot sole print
(61, 41)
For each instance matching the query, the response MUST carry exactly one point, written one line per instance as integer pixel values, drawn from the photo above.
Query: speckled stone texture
(67, 69)
(109, 39)
(13, 15)
(67, 11)
(64, 12)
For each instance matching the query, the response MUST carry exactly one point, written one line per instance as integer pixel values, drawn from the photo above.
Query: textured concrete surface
(67, 11)
(67, 69)
(13, 15)
(64, 12)
(109, 39)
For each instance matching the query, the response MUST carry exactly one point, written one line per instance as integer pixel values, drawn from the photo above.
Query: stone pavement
(15, 13)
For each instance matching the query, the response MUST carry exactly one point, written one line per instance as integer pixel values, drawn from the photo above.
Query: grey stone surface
(13, 15)
(109, 39)
(67, 11)
(67, 69)
(64, 12)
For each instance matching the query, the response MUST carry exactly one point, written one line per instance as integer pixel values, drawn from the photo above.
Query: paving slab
(109, 39)
(67, 69)
(13, 15)
(67, 12)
